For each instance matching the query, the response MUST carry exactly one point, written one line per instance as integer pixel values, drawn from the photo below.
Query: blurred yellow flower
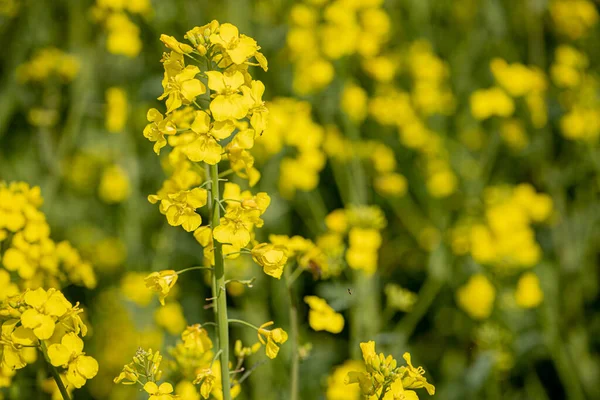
(477, 297)
(116, 109)
(170, 317)
(322, 317)
(529, 294)
(114, 185)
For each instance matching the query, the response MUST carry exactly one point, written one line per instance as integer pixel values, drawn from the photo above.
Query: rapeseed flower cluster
(325, 31)
(45, 320)
(214, 114)
(513, 81)
(573, 18)
(409, 113)
(123, 34)
(28, 252)
(290, 127)
(505, 238)
(48, 63)
(384, 379)
(116, 109)
(361, 225)
(578, 98)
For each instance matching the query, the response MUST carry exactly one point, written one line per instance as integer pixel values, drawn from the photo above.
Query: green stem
(242, 322)
(218, 286)
(291, 278)
(293, 315)
(192, 269)
(55, 375)
(437, 268)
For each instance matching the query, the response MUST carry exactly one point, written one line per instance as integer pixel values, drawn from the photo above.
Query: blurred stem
(293, 315)
(535, 32)
(55, 374)
(557, 348)
(218, 287)
(365, 317)
(433, 284)
(409, 215)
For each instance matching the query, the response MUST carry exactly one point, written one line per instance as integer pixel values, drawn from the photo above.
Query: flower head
(273, 338)
(161, 282)
(271, 257)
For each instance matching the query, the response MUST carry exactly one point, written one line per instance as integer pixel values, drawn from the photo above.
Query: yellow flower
(236, 225)
(336, 387)
(69, 354)
(322, 317)
(206, 378)
(271, 257)
(337, 221)
(364, 245)
(414, 378)
(9, 289)
(123, 35)
(486, 103)
(529, 294)
(399, 298)
(161, 282)
(391, 184)
(204, 145)
(134, 288)
(114, 185)
(354, 102)
(228, 103)
(45, 307)
(477, 297)
(242, 162)
(162, 392)
(185, 390)
(181, 88)
(274, 337)
(116, 109)
(238, 47)
(175, 45)
(196, 337)
(158, 127)
(180, 207)
(170, 317)
(253, 96)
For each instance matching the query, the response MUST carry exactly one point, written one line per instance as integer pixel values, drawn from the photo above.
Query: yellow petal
(46, 328)
(165, 388)
(87, 366)
(59, 355)
(228, 32)
(36, 298)
(74, 377)
(201, 122)
(215, 81)
(151, 387)
(72, 343)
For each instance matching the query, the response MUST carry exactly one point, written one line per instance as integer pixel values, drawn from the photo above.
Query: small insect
(349, 291)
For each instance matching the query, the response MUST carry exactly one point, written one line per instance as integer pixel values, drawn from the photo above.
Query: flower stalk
(61, 386)
(293, 315)
(218, 287)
